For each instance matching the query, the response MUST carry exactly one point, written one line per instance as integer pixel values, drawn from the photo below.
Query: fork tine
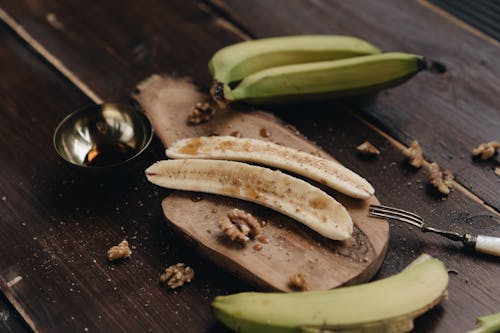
(394, 209)
(396, 214)
(395, 217)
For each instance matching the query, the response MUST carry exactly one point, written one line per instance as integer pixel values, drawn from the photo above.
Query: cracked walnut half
(201, 113)
(239, 225)
(119, 251)
(441, 180)
(486, 150)
(177, 275)
(414, 154)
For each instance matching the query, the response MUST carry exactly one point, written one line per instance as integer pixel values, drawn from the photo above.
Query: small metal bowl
(102, 137)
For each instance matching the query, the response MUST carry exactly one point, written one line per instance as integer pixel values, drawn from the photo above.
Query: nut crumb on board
(119, 251)
(177, 275)
(497, 171)
(201, 113)
(366, 148)
(297, 282)
(441, 180)
(239, 225)
(414, 154)
(486, 150)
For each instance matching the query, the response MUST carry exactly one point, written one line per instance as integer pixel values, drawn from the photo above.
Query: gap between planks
(20, 310)
(48, 56)
(462, 24)
(224, 21)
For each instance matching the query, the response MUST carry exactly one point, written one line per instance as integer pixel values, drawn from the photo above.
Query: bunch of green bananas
(297, 68)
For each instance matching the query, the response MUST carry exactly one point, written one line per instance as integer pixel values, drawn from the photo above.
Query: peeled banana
(274, 189)
(329, 173)
(384, 306)
(237, 61)
(324, 79)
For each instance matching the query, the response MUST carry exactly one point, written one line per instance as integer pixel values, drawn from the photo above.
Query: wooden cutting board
(287, 247)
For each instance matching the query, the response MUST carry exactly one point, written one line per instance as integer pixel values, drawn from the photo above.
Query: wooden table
(56, 224)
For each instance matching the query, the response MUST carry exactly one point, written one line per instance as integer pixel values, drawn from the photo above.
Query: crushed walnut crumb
(119, 251)
(486, 150)
(366, 148)
(201, 113)
(177, 275)
(414, 154)
(497, 171)
(239, 225)
(297, 282)
(441, 180)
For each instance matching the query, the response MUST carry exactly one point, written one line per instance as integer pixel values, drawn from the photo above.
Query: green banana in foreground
(488, 324)
(325, 79)
(387, 305)
(237, 61)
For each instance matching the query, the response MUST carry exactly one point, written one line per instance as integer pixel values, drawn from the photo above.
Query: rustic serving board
(287, 247)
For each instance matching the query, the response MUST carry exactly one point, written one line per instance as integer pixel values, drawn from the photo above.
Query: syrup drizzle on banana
(286, 194)
(321, 170)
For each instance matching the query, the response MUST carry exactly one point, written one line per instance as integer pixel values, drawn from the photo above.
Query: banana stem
(219, 94)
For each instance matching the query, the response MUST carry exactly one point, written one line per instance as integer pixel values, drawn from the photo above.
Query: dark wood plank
(482, 15)
(57, 224)
(474, 291)
(113, 45)
(448, 114)
(10, 320)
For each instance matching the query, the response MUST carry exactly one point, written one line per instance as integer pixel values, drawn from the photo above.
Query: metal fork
(479, 243)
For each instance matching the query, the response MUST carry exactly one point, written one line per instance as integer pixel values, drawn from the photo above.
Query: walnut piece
(486, 150)
(239, 225)
(441, 180)
(414, 154)
(297, 282)
(177, 275)
(497, 171)
(201, 113)
(119, 251)
(366, 148)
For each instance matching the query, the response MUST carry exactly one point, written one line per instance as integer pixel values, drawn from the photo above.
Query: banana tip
(422, 64)
(217, 92)
(150, 172)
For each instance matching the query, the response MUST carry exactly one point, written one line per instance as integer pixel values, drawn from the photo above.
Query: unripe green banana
(326, 79)
(384, 306)
(237, 61)
(488, 324)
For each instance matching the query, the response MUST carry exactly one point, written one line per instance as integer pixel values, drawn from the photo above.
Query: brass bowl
(102, 137)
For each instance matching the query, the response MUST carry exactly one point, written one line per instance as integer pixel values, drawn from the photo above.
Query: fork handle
(488, 245)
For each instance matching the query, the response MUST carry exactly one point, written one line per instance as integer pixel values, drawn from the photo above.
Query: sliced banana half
(327, 172)
(281, 192)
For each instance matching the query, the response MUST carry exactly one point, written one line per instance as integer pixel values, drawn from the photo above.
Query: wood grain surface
(449, 114)
(10, 320)
(56, 222)
(291, 247)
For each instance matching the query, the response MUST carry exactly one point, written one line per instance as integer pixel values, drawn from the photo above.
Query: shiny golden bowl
(103, 136)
